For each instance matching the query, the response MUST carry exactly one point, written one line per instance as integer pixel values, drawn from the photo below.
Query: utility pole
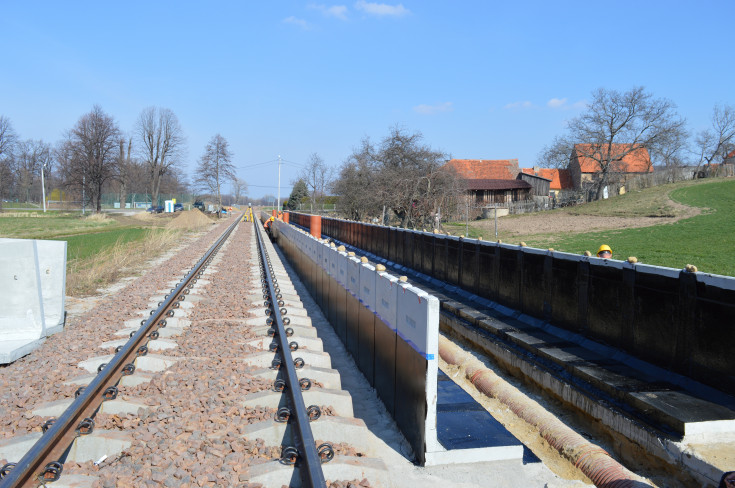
(279, 184)
(84, 184)
(43, 187)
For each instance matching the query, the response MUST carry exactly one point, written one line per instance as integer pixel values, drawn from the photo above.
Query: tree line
(95, 156)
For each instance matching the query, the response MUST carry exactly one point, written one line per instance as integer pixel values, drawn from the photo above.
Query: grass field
(704, 240)
(99, 248)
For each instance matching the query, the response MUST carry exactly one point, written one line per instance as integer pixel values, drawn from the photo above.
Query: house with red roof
(559, 179)
(588, 163)
(492, 181)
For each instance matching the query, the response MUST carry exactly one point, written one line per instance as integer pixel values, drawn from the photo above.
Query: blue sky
(479, 79)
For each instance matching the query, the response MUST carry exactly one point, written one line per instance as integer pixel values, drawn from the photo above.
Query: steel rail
(31, 470)
(309, 457)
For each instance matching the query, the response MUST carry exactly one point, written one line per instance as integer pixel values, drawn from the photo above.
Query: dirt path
(557, 222)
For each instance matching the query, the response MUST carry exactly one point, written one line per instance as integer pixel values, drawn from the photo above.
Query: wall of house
(575, 172)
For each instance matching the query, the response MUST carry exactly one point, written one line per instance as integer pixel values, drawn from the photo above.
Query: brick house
(585, 170)
(492, 181)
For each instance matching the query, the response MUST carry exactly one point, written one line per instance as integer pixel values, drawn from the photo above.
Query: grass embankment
(705, 240)
(100, 249)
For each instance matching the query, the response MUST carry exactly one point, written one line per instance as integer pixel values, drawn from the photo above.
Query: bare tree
(715, 143)
(355, 181)
(317, 177)
(402, 175)
(215, 167)
(8, 140)
(162, 144)
(616, 125)
(88, 156)
(31, 158)
(239, 189)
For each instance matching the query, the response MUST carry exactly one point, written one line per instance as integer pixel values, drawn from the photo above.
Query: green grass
(707, 240)
(87, 245)
(37, 225)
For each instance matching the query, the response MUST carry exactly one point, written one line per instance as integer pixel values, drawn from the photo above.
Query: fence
(678, 320)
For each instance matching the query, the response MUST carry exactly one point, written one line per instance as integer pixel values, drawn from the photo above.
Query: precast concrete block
(366, 323)
(328, 378)
(416, 368)
(298, 331)
(274, 474)
(163, 333)
(22, 317)
(153, 345)
(339, 400)
(350, 431)
(99, 443)
(308, 343)
(386, 302)
(311, 358)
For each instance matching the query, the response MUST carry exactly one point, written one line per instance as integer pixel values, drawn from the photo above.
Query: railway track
(209, 386)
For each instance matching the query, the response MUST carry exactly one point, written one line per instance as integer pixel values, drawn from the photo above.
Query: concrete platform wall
(390, 328)
(672, 318)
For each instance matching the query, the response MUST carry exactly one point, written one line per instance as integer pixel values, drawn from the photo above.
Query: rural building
(559, 179)
(492, 181)
(585, 170)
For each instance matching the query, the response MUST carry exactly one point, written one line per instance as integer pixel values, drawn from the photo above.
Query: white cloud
(337, 11)
(563, 104)
(382, 9)
(433, 109)
(518, 105)
(296, 21)
(557, 102)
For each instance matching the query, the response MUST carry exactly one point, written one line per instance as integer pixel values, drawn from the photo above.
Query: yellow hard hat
(604, 247)
(272, 219)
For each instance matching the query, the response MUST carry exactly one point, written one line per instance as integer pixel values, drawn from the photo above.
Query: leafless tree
(215, 167)
(88, 156)
(402, 174)
(31, 158)
(616, 124)
(239, 189)
(715, 143)
(162, 144)
(355, 183)
(8, 140)
(317, 176)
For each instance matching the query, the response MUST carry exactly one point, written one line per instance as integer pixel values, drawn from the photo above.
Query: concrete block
(418, 320)
(275, 474)
(313, 358)
(117, 406)
(298, 331)
(352, 267)
(22, 319)
(99, 443)
(329, 378)
(14, 448)
(340, 400)
(367, 286)
(308, 343)
(157, 345)
(386, 298)
(50, 265)
(337, 429)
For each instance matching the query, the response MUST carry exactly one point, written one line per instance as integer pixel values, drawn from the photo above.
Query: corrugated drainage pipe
(592, 460)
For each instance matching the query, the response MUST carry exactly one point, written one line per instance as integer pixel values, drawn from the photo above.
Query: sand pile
(190, 219)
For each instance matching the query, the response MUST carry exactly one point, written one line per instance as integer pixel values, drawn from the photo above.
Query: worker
(727, 480)
(604, 252)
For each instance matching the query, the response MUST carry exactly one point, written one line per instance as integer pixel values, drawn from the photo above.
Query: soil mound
(189, 220)
(145, 216)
